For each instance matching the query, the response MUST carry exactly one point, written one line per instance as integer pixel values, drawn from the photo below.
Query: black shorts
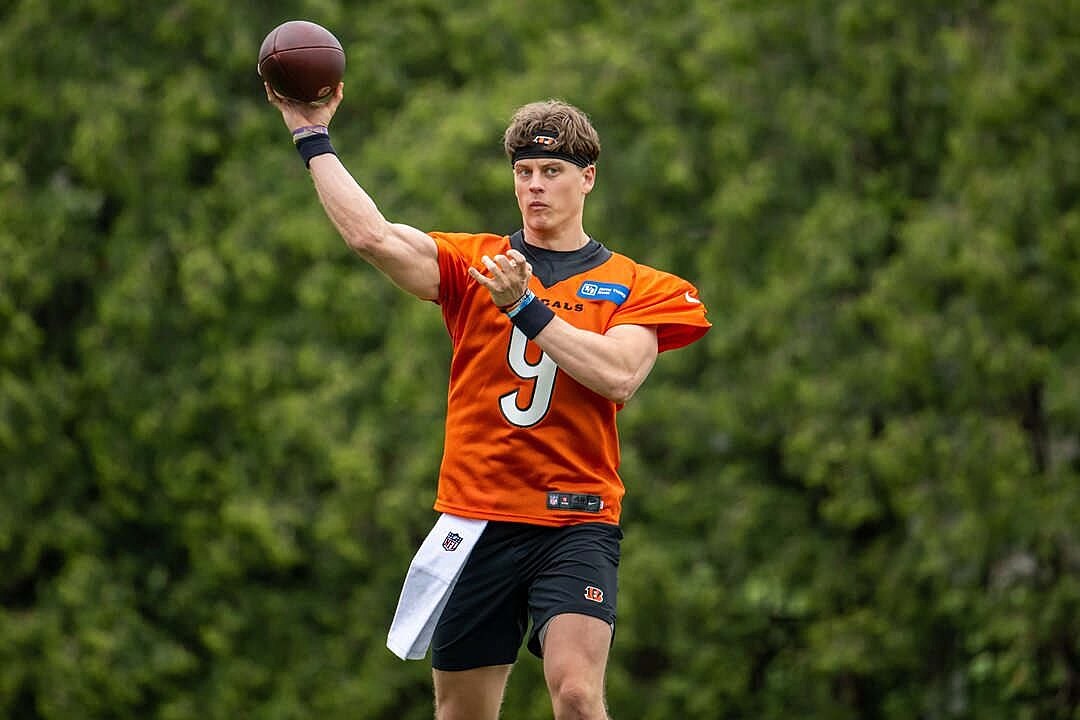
(519, 572)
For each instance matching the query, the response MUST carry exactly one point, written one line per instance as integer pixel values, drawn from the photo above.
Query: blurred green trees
(219, 432)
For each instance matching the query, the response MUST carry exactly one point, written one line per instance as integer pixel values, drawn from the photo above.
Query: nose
(536, 183)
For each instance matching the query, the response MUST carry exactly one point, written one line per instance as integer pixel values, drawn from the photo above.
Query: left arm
(613, 364)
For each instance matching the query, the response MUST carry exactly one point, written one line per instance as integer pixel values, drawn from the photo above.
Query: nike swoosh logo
(690, 298)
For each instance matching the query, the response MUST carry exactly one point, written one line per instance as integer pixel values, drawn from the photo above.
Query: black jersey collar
(553, 266)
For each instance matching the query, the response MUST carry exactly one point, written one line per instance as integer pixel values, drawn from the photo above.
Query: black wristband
(532, 318)
(314, 145)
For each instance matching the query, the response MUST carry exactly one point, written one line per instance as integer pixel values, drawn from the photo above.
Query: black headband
(541, 147)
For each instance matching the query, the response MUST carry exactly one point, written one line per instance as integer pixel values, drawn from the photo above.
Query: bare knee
(457, 708)
(450, 710)
(451, 707)
(573, 700)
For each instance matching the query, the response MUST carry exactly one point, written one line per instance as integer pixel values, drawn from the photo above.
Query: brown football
(302, 61)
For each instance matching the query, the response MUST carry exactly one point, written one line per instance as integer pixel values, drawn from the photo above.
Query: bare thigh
(470, 694)
(575, 661)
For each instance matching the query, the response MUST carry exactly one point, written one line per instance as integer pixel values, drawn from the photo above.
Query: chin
(540, 229)
(540, 221)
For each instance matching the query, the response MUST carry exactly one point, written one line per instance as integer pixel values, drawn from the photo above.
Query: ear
(588, 179)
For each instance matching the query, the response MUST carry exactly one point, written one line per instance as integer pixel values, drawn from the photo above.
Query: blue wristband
(515, 307)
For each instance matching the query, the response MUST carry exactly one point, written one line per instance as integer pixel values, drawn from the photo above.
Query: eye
(551, 170)
(522, 172)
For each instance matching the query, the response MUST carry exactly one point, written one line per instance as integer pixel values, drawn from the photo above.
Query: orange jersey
(519, 430)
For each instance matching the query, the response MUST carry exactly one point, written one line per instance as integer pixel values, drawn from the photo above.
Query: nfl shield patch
(452, 541)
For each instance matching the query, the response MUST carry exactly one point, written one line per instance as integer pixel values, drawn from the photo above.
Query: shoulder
(622, 280)
(661, 299)
(469, 245)
(457, 252)
(641, 275)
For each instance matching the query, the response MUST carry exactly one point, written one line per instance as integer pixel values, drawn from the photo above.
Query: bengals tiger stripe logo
(595, 594)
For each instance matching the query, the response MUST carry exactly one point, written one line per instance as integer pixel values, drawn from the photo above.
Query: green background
(857, 497)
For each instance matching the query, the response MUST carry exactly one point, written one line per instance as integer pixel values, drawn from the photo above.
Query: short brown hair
(575, 135)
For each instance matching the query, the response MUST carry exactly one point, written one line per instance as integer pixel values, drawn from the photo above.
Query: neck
(562, 241)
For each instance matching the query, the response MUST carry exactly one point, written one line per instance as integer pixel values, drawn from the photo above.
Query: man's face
(551, 192)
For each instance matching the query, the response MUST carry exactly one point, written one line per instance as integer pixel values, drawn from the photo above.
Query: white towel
(432, 574)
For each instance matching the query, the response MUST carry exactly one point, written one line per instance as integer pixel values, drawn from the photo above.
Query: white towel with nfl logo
(432, 574)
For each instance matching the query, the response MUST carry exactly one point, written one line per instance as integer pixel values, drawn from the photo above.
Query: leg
(477, 637)
(470, 694)
(575, 659)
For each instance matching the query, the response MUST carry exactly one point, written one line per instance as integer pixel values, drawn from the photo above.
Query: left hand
(509, 277)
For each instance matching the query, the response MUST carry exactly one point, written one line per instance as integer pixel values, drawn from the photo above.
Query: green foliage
(857, 497)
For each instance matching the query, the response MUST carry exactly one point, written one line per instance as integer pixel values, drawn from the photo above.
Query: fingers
(271, 96)
(499, 266)
(518, 260)
(339, 94)
(511, 266)
(507, 276)
(296, 113)
(507, 268)
(480, 277)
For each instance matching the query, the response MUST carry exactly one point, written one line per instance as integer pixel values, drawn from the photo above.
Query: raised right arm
(404, 254)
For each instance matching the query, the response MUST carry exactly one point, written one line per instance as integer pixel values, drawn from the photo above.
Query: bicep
(613, 364)
(409, 257)
(637, 348)
(637, 344)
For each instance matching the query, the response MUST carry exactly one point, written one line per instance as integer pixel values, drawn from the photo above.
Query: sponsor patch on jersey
(596, 290)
